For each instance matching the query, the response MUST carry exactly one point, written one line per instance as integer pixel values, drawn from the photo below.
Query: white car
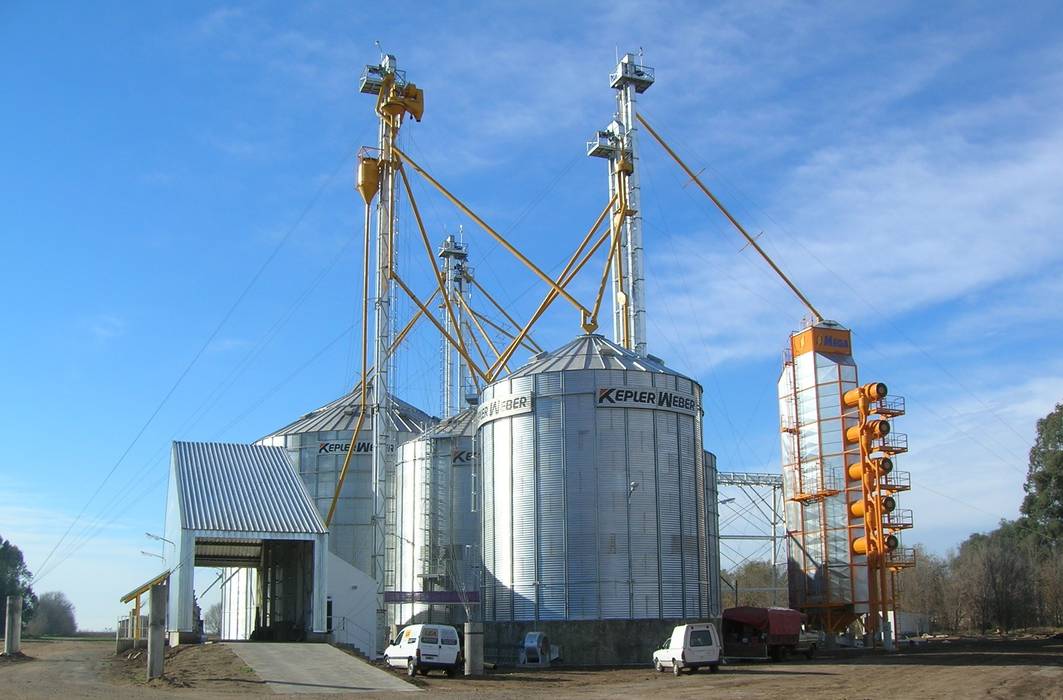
(420, 648)
(690, 646)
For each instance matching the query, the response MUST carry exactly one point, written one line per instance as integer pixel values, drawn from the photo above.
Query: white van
(424, 647)
(690, 646)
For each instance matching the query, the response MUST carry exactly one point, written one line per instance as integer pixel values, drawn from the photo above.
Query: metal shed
(233, 505)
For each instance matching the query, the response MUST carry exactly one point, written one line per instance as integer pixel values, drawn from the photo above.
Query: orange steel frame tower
(840, 485)
(838, 477)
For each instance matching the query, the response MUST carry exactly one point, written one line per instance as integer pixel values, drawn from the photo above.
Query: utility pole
(13, 626)
(157, 629)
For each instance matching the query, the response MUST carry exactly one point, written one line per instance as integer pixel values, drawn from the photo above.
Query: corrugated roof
(591, 352)
(143, 588)
(463, 423)
(342, 414)
(241, 488)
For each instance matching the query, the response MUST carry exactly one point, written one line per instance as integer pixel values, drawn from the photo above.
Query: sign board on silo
(504, 407)
(637, 397)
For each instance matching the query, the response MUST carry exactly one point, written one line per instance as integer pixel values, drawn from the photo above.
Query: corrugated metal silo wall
(435, 528)
(565, 538)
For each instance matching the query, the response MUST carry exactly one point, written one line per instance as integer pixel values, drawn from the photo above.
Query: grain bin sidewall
(556, 550)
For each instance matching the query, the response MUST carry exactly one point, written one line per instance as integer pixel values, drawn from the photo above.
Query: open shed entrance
(267, 587)
(244, 510)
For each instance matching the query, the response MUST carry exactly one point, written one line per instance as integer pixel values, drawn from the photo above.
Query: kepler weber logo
(462, 457)
(506, 406)
(618, 396)
(328, 448)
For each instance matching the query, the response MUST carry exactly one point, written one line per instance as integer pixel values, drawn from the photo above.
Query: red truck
(766, 633)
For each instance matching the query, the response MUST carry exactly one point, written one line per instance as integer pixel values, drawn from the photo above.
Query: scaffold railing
(898, 520)
(748, 479)
(897, 481)
(901, 558)
(889, 406)
(823, 485)
(892, 444)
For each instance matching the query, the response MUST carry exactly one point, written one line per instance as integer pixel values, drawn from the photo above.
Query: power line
(102, 522)
(198, 354)
(899, 331)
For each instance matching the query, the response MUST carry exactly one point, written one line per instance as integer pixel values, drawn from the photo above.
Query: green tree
(922, 589)
(15, 580)
(55, 615)
(212, 619)
(998, 574)
(1043, 504)
(755, 586)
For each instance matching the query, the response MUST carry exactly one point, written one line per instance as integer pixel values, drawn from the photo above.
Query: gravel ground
(1016, 668)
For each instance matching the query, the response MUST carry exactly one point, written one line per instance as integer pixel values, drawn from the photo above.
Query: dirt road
(988, 668)
(1014, 669)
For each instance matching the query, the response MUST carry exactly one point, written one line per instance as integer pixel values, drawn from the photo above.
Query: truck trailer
(766, 633)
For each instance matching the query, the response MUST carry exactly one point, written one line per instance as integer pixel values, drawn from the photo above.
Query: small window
(701, 638)
(430, 636)
(449, 641)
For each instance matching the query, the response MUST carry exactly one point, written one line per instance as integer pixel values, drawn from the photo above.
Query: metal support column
(629, 79)
(618, 143)
(456, 382)
(757, 519)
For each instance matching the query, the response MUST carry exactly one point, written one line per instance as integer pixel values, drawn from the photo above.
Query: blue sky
(902, 161)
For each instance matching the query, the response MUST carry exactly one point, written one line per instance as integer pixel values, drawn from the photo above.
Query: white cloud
(972, 451)
(104, 327)
(884, 224)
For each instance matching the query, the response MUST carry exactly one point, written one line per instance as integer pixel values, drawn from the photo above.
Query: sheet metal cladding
(431, 570)
(596, 493)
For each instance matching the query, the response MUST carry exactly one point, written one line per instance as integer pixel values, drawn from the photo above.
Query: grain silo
(317, 444)
(432, 570)
(596, 524)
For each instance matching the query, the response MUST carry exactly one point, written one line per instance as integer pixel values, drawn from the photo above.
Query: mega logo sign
(504, 407)
(328, 448)
(662, 399)
(837, 341)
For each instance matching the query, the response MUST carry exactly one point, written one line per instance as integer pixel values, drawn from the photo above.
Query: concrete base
(583, 642)
(474, 648)
(175, 638)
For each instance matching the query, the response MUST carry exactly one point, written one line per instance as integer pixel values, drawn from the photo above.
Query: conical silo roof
(592, 351)
(342, 414)
(460, 424)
